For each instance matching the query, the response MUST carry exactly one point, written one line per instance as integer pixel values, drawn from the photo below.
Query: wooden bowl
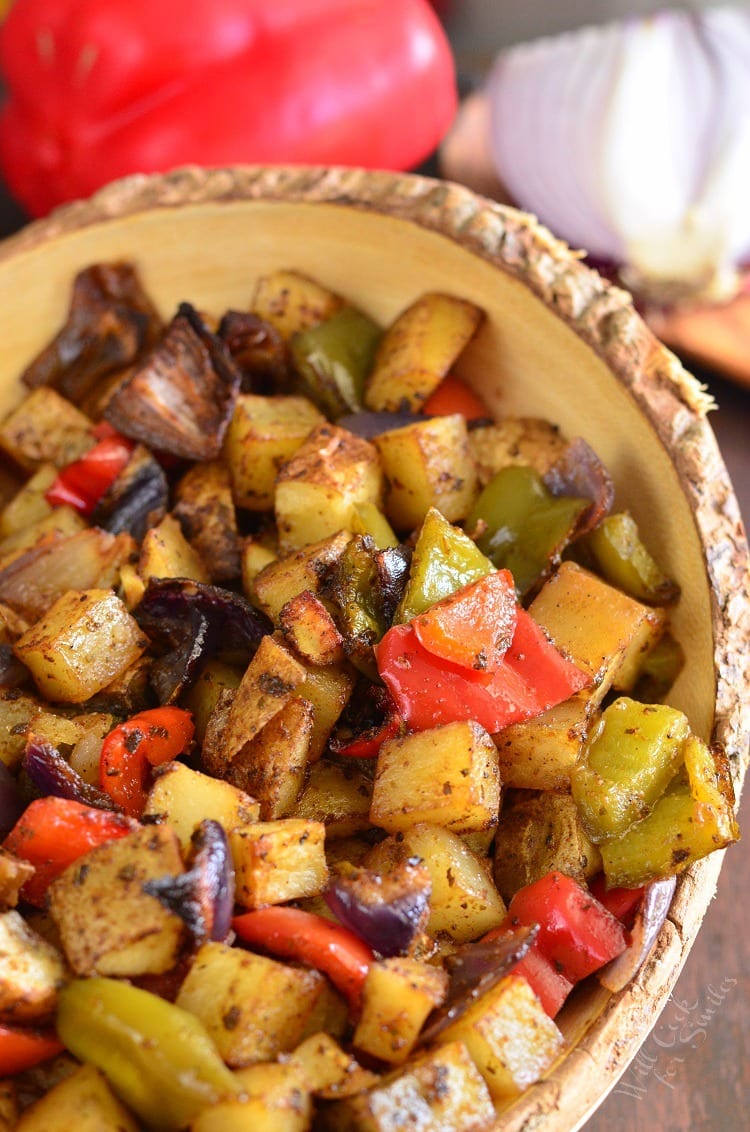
(558, 343)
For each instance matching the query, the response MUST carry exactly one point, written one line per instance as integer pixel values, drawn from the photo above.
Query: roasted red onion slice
(369, 424)
(51, 773)
(649, 918)
(580, 472)
(388, 911)
(203, 897)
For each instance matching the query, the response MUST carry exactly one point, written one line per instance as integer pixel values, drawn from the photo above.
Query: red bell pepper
(99, 90)
(291, 933)
(23, 1049)
(54, 832)
(454, 396)
(148, 739)
(82, 483)
(474, 626)
(576, 933)
(428, 690)
(621, 902)
(548, 984)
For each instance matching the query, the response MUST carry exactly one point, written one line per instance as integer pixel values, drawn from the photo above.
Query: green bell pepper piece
(626, 764)
(367, 519)
(158, 1057)
(354, 590)
(444, 560)
(333, 359)
(526, 527)
(659, 669)
(624, 561)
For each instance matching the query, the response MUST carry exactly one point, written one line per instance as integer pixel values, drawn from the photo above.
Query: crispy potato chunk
(205, 510)
(83, 1101)
(166, 553)
(45, 428)
(270, 681)
(277, 861)
(265, 433)
(184, 798)
(397, 996)
(528, 441)
(282, 579)
(31, 971)
(291, 301)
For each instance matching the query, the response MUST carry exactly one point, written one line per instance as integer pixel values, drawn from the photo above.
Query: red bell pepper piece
(548, 984)
(454, 396)
(82, 483)
(576, 933)
(54, 832)
(24, 1048)
(148, 739)
(621, 902)
(473, 627)
(429, 691)
(97, 91)
(291, 933)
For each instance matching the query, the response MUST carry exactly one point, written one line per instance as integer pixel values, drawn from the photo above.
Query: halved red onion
(203, 897)
(649, 918)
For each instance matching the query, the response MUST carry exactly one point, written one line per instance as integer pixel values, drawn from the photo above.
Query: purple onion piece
(387, 912)
(13, 674)
(474, 969)
(137, 499)
(649, 917)
(367, 424)
(11, 803)
(580, 472)
(51, 773)
(203, 897)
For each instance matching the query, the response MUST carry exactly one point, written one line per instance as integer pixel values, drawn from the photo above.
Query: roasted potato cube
(323, 1064)
(271, 679)
(166, 553)
(317, 489)
(258, 1113)
(31, 971)
(446, 775)
(28, 504)
(281, 580)
(86, 639)
(397, 996)
(254, 1008)
(427, 464)
(528, 441)
(328, 690)
(539, 834)
(440, 1091)
(59, 523)
(338, 796)
(205, 509)
(464, 903)
(13, 875)
(263, 435)
(183, 798)
(418, 350)
(45, 428)
(291, 301)
(83, 1101)
(108, 923)
(510, 1038)
(277, 861)
(16, 709)
(201, 699)
(311, 631)
(271, 767)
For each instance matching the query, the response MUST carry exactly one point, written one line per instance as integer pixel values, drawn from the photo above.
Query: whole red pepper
(99, 90)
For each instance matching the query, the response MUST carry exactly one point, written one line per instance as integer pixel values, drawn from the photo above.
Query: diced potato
(311, 631)
(132, 586)
(323, 1064)
(509, 1036)
(271, 679)
(59, 523)
(202, 698)
(205, 510)
(271, 767)
(539, 834)
(446, 775)
(397, 996)
(85, 641)
(13, 875)
(291, 301)
(418, 350)
(255, 555)
(83, 1101)
(257, 1113)
(440, 1091)
(427, 464)
(29, 504)
(317, 489)
(283, 579)
(338, 796)
(464, 903)
(329, 691)
(528, 441)
(253, 1007)
(108, 923)
(540, 753)
(16, 709)
(277, 861)
(31, 971)
(263, 435)
(45, 428)
(184, 798)
(166, 553)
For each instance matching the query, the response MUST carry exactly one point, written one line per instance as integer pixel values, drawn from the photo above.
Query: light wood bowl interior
(557, 343)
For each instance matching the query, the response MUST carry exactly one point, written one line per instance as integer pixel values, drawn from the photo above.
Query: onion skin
(648, 922)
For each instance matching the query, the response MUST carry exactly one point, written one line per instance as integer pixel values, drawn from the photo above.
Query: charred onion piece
(181, 397)
(191, 621)
(137, 500)
(259, 352)
(388, 911)
(369, 424)
(580, 472)
(651, 914)
(203, 897)
(474, 969)
(392, 566)
(51, 773)
(13, 673)
(111, 321)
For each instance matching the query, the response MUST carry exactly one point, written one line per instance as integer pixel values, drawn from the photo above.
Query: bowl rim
(676, 406)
